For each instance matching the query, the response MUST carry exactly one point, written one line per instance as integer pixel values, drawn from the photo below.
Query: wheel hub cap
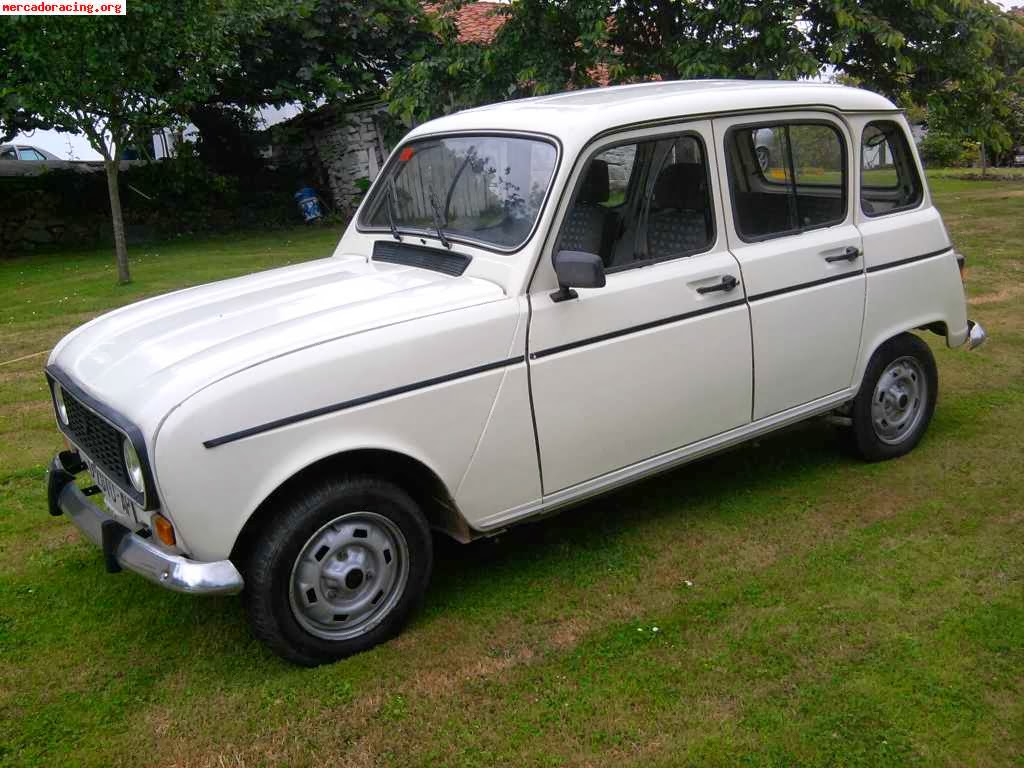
(899, 399)
(349, 575)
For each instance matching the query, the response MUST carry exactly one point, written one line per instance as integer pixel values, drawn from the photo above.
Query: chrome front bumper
(976, 335)
(124, 549)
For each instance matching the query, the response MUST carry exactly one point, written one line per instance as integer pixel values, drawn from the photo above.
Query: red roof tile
(477, 22)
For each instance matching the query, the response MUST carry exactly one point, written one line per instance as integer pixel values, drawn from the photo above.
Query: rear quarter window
(889, 181)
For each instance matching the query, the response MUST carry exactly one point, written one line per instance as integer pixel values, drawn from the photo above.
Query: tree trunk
(117, 222)
(984, 159)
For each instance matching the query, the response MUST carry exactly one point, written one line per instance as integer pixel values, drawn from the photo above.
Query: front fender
(422, 393)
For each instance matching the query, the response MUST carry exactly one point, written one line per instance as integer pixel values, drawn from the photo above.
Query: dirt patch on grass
(1004, 294)
(25, 407)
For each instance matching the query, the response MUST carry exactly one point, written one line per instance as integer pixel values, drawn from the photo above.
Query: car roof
(576, 116)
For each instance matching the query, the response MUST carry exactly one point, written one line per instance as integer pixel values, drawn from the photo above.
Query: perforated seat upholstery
(680, 219)
(586, 225)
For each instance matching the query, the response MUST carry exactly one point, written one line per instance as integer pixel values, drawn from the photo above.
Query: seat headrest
(683, 186)
(594, 189)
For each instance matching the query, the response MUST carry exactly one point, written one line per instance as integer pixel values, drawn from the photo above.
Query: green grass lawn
(782, 604)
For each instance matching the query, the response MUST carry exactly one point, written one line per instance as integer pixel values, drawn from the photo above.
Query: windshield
(485, 188)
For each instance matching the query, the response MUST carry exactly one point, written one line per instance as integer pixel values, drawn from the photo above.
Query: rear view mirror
(577, 269)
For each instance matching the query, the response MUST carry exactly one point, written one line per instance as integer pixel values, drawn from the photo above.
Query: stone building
(341, 147)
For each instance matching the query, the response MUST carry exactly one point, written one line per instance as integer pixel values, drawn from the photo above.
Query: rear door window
(786, 178)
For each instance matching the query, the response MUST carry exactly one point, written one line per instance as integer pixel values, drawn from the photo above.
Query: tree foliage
(959, 57)
(306, 52)
(118, 79)
(941, 150)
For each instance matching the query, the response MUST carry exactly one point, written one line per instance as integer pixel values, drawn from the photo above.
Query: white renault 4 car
(538, 301)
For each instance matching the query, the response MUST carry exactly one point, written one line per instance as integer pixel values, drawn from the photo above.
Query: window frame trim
(686, 132)
(912, 162)
(729, 166)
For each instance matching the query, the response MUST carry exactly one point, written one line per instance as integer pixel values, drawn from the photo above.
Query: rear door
(791, 227)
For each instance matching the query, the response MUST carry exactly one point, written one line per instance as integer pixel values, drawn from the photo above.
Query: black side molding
(846, 275)
(365, 399)
(911, 260)
(811, 284)
(636, 328)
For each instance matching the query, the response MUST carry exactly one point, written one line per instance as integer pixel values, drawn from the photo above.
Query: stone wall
(33, 219)
(340, 148)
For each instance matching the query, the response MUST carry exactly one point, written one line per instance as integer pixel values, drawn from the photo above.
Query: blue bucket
(309, 204)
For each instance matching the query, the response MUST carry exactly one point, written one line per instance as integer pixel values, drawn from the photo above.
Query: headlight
(133, 465)
(58, 398)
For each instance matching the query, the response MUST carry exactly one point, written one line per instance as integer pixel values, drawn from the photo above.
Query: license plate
(116, 500)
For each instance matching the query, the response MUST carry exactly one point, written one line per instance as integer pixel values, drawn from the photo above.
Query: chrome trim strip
(663, 462)
(365, 399)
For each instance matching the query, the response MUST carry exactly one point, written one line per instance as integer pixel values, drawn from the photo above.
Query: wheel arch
(414, 476)
(936, 324)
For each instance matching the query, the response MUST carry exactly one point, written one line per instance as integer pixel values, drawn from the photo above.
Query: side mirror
(577, 269)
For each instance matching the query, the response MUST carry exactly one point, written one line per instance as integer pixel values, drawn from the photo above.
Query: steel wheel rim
(349, 575)
(899, 399)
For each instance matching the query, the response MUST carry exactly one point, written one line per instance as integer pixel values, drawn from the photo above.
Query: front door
(791, 227)
(659, 357)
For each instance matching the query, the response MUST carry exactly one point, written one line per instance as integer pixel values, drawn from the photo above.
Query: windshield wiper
(438, 224)
(391, 213)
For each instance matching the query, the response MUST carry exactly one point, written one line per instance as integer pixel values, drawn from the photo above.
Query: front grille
(100, 441)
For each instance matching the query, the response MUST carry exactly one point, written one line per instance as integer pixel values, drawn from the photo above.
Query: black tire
(905, 358)
(274, 607)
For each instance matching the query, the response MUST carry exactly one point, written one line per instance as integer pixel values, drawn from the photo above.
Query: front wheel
(338, 570)
(896, 399)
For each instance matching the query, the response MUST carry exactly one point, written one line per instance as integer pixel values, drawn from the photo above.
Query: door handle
(850, 254)
(727, 284)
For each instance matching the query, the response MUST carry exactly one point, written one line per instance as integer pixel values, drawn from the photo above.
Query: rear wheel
(896, 399)
(338, 570)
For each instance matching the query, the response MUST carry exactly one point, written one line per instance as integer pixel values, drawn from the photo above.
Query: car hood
(146, 358)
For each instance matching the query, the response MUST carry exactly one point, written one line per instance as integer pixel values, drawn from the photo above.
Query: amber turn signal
(164, 529)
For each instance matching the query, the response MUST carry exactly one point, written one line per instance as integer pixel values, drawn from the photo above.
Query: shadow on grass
(117, 644)
(487, 579)
(587, 540)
